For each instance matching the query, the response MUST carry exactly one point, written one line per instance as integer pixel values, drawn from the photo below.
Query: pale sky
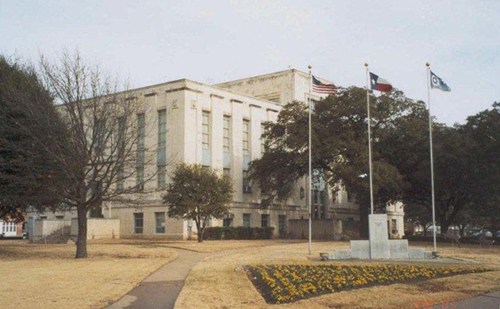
(150, 42)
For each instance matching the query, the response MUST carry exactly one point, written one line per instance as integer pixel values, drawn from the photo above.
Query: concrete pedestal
(379, 239)
(379, 246)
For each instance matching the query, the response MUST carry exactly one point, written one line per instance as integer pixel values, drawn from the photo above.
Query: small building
(11, 228)
(395, 220)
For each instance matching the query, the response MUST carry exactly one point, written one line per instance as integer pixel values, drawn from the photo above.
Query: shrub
(213, 233)
(240, 232)
(228, 233)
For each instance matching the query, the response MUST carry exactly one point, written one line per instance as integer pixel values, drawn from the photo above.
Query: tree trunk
(81, 240)
(462, 229)
(443, 230)
(200, 231)
(445, 225)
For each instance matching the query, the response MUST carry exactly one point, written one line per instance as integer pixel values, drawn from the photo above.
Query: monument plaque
(379, 239)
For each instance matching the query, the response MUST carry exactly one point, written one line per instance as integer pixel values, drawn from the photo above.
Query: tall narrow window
(141, 136)
(264, 220)
(262, 140)
(246, 155)
(226, 222)
(205, 123)
(282, 225)
(120, 147)
(138, 222)
(246, 220)
(246, 137)
(226, 142)
(246, 183)
(205, 139)
(226, 134)
(162, 148)
(160, 222)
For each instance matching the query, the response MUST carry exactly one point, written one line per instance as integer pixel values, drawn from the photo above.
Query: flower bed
(288, 283)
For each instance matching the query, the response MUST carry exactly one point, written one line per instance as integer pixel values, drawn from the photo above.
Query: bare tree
(105, 151)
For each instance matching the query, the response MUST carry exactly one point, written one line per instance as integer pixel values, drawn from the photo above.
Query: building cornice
(183, 88)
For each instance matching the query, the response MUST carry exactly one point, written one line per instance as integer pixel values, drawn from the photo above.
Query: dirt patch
(432, 286)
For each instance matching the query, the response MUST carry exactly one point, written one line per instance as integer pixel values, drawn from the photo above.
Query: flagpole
(427, 64)
(309, 199)
(369, 135)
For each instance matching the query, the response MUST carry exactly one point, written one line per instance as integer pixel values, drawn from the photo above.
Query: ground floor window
(160, 222)
(138, 222)
(9, 228)
(282, 225)
(227, 222)
(264, 220)
(246, 220)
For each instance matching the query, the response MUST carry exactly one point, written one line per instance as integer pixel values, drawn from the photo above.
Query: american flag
(320, 87)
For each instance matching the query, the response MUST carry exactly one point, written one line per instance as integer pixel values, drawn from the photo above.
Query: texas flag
(379, 84)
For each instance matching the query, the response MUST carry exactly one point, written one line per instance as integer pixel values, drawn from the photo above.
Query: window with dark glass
(246, 137)
(160, 222)
(206, 132)
(264, 220)
(141, 136)
(138, 222)
(226, 222)
(226, 134)
(120, 176)
(246, 220)
(246, 182)
(262, 140)
(282, 225)
(162, 149)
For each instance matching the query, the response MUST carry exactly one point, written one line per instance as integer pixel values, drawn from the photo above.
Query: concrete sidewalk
(487, 301)
(161, 288)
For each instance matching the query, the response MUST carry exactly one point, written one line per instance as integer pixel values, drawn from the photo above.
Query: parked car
(476, 233)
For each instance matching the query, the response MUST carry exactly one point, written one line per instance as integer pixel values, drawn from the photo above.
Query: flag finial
(366, 64)
(309, 67)
(427, 64)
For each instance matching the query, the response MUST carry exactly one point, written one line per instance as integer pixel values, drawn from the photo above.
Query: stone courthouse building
(218, 126)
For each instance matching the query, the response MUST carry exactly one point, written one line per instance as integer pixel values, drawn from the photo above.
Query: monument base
(379, 246)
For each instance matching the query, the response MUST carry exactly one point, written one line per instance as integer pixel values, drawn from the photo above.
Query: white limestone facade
(218, 126)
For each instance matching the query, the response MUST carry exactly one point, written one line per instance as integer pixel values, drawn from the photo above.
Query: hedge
(240, 232)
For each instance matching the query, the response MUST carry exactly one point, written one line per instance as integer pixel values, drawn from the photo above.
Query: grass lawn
(48, 276)
(220, 280)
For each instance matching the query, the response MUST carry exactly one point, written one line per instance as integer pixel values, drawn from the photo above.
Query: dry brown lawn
(48, 276)
(219, 281)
